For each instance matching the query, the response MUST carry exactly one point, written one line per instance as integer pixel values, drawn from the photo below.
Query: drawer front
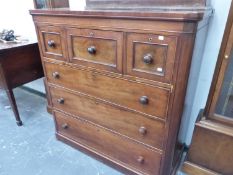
(52, 42)
(151, 56)
(95, 48)
(131, 124)
(117, 148)
(136, 96)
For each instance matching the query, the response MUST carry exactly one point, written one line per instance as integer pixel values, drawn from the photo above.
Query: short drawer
(96, 48)
(135, 96)
(151, 56)
(51, 40)
(131, 124)
(122, 150)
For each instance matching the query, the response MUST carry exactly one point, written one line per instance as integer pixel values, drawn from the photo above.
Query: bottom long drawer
(126, 152)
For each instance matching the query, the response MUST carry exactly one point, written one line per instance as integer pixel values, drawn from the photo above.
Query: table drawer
(111, 145)
(52, 42)
(136, 96)
(131, 124)
(151, 56)
(96, 48)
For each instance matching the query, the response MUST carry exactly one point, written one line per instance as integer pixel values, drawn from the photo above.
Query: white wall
(14, 14)
(201, 81)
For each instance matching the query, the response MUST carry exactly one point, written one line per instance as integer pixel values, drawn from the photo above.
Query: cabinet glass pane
(40, 4)
(224, 105)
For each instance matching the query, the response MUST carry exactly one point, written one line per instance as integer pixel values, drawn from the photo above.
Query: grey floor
(33, 149)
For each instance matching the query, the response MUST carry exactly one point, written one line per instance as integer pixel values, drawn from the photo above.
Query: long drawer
(136, 156)
(131, 124)
(139, 97)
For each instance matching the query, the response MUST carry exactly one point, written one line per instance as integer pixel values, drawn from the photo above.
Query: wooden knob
(51, 43)
(148, 59)
(91, 50)
(140, 159)
(61, 100)
(56, 75)
(142, 130)
(144, 100)
(64, 126)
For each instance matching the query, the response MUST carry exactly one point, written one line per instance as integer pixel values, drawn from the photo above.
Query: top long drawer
(136, 96)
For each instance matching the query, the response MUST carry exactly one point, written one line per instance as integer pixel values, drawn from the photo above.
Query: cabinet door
(224, 105)
(221, 107)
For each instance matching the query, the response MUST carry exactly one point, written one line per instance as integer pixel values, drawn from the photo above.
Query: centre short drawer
(96, 48)
(146, 130)
(139, 97)
(124, 151)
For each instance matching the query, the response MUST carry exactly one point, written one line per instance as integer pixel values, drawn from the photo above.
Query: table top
(8, 46)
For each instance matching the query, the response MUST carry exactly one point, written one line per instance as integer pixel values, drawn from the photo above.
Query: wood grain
(120, 120)
(107, 45)
(109, 144)
(113, 91)
(162, 50)
(118, 91)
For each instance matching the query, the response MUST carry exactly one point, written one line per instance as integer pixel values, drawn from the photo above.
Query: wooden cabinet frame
(221, 67)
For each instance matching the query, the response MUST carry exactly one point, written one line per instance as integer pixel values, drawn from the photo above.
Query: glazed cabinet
(214, 127)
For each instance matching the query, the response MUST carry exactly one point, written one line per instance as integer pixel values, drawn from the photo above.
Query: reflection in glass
(224, 105)
(41, 4)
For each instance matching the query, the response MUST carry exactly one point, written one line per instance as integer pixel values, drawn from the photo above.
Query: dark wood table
(19, 64)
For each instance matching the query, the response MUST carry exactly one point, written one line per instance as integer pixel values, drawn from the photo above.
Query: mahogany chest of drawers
(117, 82)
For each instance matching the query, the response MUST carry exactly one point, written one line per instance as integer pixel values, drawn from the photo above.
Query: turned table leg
(14, 106)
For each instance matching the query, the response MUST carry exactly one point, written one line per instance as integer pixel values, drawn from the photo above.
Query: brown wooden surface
(117, 119)
(193, 169)
(19, 64)
(176, 14)
(49, 102)
(96, 88)
(108, 45)
(117, 91)
(221, 67)
(109, 144)
(58, 3)
(212, 148)
(55, 34)
(186, 44)
(162, 50)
